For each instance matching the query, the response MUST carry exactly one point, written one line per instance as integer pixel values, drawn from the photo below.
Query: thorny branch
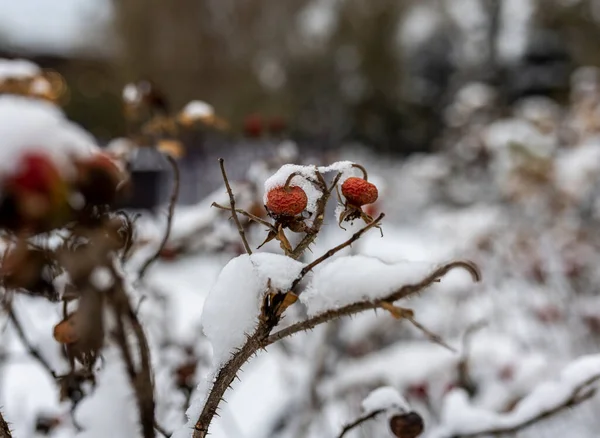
(4, 429)
(261, 338)
(361, 306)
(360, 420)
(245, 213)
(233, 210)
(171, 211)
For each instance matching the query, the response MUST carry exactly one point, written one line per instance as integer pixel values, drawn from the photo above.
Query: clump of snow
(198, 109)
(578, 168)
(131, 94)
(384, 398)
(460, 417)
(101, 278)
(232, 308)
(34, 125)
(17, 69)
(346, 280)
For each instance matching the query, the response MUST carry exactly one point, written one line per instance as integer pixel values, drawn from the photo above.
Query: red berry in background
(419, 391)
(359, 192)
(276, 125)
(286, 202)
(35, 173)
(253, 126)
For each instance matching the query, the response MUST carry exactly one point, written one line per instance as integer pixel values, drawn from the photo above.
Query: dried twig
(245, 213)
(335, 250)
(360, 420)
(30, 348)
(261, 338)
(233, 210)
(4, 429)
(171, 211)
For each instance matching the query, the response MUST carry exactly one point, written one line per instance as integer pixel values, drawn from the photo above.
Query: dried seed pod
(98, 179)
(287, 202)
(409, 425)
(359, 192)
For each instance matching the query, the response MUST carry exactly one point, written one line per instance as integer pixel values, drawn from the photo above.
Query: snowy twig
(361, 306)
(30, 348)
(311, 233)
(360, 420)
(464, 378)
(171, 211)
(4, 429)
(335, 250)
(233, 210)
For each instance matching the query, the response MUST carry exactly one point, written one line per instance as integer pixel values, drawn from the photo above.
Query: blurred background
(479, 121)
(374, 71)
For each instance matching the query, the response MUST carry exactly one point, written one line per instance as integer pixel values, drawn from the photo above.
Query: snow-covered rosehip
(289, 202)
(359, 192)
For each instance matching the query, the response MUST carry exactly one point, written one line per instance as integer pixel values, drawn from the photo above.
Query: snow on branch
(461, 418)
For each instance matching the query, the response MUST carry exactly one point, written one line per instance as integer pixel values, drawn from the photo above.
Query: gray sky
(51, 25)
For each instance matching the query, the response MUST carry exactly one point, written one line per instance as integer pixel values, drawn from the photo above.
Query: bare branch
(30, 348)
(245, 213)
(233, 210)
(360, 420)
(353, 308)
(4, 429)
(335, 250)
(171, 211)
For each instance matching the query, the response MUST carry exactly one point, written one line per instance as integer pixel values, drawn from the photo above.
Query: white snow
(101, 278)
(33, 125)
(345, 280)
(131, 94)
(198, 109)
(460, 416)
(238, 294)
(385, 398)
(17, 69)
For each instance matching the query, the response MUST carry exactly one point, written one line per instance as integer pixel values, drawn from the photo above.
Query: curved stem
(289, 179)
(363, 170)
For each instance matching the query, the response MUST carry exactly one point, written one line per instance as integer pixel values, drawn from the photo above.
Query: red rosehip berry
(253, 126)
(35, 173)
(359, 192)
(288, 202)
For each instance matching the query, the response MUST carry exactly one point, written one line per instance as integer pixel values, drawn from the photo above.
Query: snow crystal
(17, 69)
(35, 125)
(198, 109)
(232, 307)
(101, 278)
(349, 279)
(384, 398)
